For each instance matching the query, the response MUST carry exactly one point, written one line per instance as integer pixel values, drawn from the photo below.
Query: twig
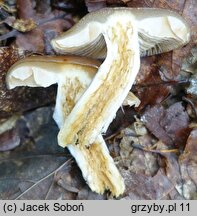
(10, 34)
(19, 179)
(34, 156)
(172, 82)
(42, 179)
(160, 151)
(49, 189)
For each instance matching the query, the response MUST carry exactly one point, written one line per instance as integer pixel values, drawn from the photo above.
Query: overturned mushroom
(73, 76)
(114, 32)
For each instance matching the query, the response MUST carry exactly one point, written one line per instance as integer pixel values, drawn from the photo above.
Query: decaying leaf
(34, 23)
(170, 126)
(140, 186)
(134, 159)
(22, 25)
(189, 71)
(188, 167)
(38, 168)
(150, 88)
(9, 140)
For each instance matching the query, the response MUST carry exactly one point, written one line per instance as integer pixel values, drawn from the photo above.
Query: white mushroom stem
(97, 107)
(95, 162)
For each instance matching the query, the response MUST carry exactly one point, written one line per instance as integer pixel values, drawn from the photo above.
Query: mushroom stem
(95, 162)
(97, 107)
(98, 167)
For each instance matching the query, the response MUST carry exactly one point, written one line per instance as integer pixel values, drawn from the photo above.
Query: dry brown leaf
(9, 140)
(150, 88)
(188, 167)
(170, 126)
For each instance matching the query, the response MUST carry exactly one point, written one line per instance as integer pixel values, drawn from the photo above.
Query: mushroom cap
(43, 71)
(159, 31)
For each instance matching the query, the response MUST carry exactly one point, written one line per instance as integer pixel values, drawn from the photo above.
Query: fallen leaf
(86, 194)
(142, 187)
(94, 5)
(9, 140)
(188, 167)
(150, 87)
(136, 3)
(170, 125)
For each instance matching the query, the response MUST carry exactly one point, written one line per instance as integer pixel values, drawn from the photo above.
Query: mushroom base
(98, 167)
(95, 162)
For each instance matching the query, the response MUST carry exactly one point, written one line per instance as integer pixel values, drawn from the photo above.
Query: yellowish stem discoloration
(97, 166)
(113, 82)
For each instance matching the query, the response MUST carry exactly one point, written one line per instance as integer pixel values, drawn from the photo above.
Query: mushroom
(73, 76)
(85, 114)
(159, 30)
(117, 34)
